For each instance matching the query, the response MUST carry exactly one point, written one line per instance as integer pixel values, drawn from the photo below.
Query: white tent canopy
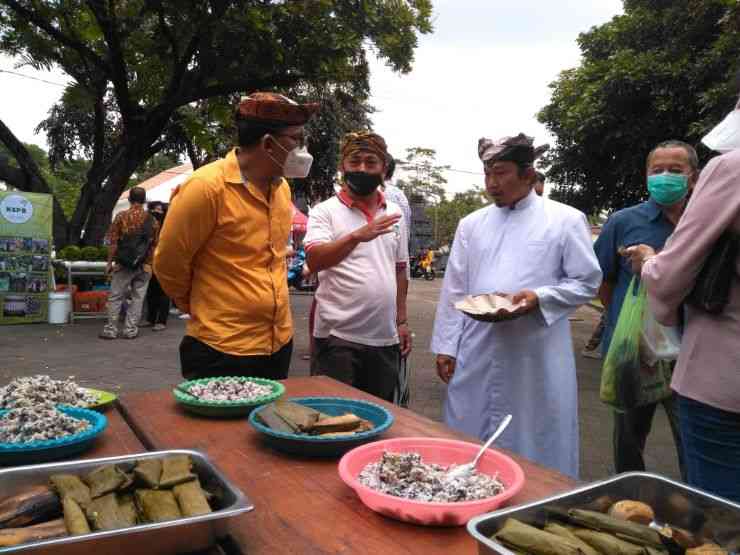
(158, 188)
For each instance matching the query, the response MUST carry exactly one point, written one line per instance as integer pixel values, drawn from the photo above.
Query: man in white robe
(541, 252)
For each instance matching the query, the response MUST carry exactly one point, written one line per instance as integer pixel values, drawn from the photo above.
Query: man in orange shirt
(221, 254)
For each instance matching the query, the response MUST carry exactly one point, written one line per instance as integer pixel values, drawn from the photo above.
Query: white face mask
(725, 136)
(298, 162)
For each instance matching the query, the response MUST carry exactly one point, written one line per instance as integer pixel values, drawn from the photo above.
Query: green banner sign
(25, 256)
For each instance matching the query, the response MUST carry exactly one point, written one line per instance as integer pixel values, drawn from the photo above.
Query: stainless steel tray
(165, 538)
(673, 502)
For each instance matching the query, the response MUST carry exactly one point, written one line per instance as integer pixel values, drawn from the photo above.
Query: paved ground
(151, 362)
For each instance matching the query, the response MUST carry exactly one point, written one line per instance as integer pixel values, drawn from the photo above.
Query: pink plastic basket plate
(432, 450)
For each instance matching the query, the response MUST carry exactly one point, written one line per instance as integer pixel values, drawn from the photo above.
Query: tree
(345, 110)
(450, 212)
(663, 70)
(64, 183)
(142, 70)
(424, 182)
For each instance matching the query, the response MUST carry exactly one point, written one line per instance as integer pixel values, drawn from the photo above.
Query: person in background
(427, 259)
(539, 183)
(157, 302)
(540, 252)
(132, 238)
(707, 374)
(221, 257)
(593, 346)
(357, 243)
(671, 171)
(396, 195)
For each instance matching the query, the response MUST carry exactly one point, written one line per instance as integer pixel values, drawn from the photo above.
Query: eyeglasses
(300, 139)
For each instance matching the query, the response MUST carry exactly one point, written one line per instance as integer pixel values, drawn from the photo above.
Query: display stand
(87, 269)
(25, 246)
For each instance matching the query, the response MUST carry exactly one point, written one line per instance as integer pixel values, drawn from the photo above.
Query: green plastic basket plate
(225, 409)
(105, 399)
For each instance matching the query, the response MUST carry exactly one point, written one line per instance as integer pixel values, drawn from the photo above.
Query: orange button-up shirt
(221, 258)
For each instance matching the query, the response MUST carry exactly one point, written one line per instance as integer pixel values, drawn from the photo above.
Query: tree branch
(13, 176)
(28, 178)
(202, 32)
(167, 32)
(119, 72)
(71, 42)
(199, 93)
(195, 160)
(35, 182)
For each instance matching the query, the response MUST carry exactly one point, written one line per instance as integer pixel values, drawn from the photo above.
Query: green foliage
(65, 180)
(161, 77)
(344, 109)
(448, 213)
(425, 179)
(70, 252)
(89, 253)
(663, 70)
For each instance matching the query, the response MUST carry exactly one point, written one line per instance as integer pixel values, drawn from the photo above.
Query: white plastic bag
(658, 342)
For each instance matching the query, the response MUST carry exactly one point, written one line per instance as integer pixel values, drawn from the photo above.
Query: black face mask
(362, 183)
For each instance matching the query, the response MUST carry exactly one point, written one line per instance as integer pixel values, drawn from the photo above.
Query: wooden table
(302, 506)
(118, 438)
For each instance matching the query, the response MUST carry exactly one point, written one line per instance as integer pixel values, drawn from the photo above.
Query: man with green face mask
(672, 170)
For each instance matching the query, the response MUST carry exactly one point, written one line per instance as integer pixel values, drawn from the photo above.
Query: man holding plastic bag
(639, 353)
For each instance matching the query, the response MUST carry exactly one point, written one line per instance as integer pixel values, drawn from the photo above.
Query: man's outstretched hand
(376, 228)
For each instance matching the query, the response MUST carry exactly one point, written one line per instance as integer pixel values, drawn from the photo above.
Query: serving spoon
(466, 469)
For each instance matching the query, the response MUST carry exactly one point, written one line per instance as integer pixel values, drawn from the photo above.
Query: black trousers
(199, 360)
(374, 370)
(631, 430)
(157, 302)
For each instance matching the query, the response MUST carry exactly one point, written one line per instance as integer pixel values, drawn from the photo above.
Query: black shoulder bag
(132, 248)
(711, 291)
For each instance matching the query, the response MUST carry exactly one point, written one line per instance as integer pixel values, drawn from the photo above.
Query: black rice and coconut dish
(33, 391)
(406, 475)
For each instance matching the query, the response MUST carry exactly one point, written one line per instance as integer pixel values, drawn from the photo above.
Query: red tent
(300, 221)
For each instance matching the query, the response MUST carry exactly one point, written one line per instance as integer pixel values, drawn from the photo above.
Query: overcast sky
(483, 72)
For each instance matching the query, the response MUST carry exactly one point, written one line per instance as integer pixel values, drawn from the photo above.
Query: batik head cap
(519, 149)
(275, 109)
(364, 140)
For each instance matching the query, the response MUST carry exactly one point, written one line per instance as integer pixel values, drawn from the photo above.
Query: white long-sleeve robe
(523, 367)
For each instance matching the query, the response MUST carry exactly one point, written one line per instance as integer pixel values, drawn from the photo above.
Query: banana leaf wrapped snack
(105, 514)
(69, 485)
(290, 417)
(626, 529)
(127, 509)
(110, 497)
(607, 543)
(176, 470)
(563, 532)
(191, 499)
(149, 471)
(620, 527)
(74, 518)
(529, 539)
(157, 505)
(105, 480)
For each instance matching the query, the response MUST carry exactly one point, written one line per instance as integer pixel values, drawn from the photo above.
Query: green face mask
(668, 188)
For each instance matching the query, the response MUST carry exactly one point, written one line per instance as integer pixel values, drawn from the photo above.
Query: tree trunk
(101, 208)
